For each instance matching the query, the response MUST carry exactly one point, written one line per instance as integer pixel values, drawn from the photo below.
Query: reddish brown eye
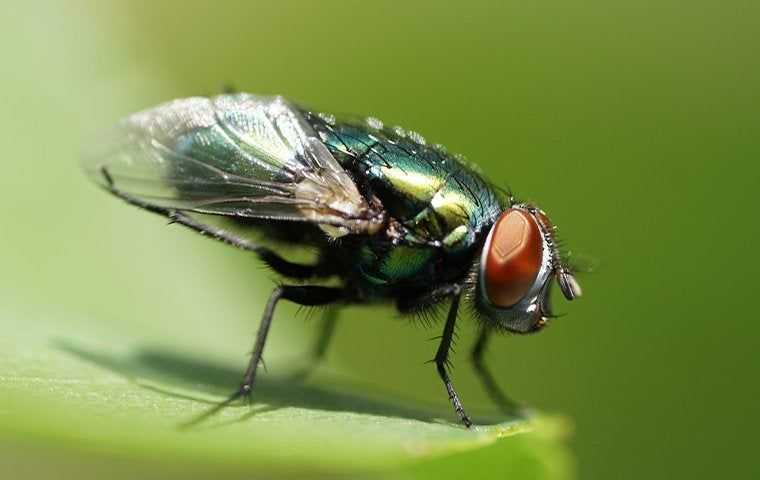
(513, 258)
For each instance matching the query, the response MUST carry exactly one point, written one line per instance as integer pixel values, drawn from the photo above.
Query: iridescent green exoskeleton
(391, 217)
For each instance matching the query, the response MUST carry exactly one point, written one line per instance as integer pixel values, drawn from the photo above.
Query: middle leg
(319, 348)
(326, 332)
(302, 295)
(307, 295)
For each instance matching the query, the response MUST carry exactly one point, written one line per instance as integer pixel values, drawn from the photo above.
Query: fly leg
(325, 335)
(306, 295)
(496, 394)
(319, 349)
(177, 216)
(274, 261)
(442, 361)
(415, 303)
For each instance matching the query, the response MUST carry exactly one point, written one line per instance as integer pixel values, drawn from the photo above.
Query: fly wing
(237, 155)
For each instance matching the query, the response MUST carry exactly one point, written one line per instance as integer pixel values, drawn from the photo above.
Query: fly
(392, 218)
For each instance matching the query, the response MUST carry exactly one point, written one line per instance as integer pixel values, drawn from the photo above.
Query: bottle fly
(392, 218)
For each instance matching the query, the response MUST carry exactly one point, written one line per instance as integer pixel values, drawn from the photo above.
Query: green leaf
(67, 398)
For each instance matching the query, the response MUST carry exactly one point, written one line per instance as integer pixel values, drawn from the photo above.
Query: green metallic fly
(392, 218)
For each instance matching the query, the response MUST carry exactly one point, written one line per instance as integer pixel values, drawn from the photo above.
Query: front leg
(497, 395)
(415, 303)
(442, 360)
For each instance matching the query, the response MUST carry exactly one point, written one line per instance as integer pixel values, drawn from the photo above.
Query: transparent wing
(237, 155)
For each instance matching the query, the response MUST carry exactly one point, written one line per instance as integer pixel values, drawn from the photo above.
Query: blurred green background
(634, 124)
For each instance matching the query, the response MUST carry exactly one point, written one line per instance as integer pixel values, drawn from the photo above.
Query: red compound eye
(513, 258)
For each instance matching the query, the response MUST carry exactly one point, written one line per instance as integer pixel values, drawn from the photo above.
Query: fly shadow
(177, 371)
